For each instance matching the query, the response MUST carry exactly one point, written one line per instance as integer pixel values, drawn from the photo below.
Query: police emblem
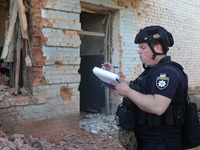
(162, 81)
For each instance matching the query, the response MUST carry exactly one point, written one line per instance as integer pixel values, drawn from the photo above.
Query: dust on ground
(97, 131)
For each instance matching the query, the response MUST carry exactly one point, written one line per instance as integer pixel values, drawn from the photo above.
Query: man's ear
(158, 48)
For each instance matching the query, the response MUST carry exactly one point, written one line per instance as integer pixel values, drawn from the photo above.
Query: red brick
(38, 34)
(38, 53)
(39, 6)
(34, 1)
(39, 83)
(133, 5)
(37, 24)
(48, 25)
(44, 20)
(36, 20)
(34, 10)
(37, 39)
(42, 43)
(39, 57)
(36, 43)
(37, 48)
(38, 72)
(37, 15)
(38, 77)
(43, 1)
(7, 115)
(45, 39)
(35, 29)
(37, 67)
(40, 29)
(41, 63)
(29, 122)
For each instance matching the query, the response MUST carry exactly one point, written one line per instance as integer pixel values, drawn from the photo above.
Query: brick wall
(179, 18)
(57, 76)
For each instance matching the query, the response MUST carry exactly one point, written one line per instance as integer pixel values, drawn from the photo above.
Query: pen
(107, 66)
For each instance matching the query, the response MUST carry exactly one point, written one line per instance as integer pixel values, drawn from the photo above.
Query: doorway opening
(94, 51)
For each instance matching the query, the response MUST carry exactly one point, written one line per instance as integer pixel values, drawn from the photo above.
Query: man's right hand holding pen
(107, 66)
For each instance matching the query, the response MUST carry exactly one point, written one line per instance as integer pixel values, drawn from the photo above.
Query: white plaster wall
(181, 19)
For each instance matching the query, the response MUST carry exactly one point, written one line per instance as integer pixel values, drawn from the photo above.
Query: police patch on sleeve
(162, 81)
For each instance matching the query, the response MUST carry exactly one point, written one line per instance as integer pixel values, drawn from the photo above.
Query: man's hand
(121, 88)
(108, 67)
(155, 104)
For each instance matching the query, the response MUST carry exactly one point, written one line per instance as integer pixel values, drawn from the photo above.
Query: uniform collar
(167, 58)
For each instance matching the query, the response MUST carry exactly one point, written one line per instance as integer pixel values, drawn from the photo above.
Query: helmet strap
(154, 53)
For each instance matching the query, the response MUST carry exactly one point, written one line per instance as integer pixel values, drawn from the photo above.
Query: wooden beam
(91, 33)
(10, 31)
(10, 75)
(11, 47)
(18, 59)
(22, 18)
(93, 11)
(11, 7)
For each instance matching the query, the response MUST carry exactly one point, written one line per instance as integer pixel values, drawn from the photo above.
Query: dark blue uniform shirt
(172, 88)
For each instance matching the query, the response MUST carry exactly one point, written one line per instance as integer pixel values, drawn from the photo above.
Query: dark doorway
(92, 93)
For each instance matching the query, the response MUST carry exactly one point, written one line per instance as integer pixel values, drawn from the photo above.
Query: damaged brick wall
(55, 43)
(57, 62)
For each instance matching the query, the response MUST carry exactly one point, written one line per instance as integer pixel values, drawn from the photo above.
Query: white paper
(105, 76)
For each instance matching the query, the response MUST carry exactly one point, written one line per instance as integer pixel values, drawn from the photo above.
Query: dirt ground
(88, 141)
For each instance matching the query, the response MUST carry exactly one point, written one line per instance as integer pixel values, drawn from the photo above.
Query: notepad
(106, 77)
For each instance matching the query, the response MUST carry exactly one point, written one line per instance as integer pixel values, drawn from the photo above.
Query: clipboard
(106, 77)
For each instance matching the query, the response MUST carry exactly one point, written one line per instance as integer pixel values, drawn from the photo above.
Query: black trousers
(152, 146)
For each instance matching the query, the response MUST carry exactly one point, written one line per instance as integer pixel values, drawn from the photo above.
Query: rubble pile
(97, 131)
(95, 123)
(18, 142)
(6, 92)
(4, 80)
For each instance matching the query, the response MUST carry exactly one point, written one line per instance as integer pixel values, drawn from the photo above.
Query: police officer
(160, 103)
